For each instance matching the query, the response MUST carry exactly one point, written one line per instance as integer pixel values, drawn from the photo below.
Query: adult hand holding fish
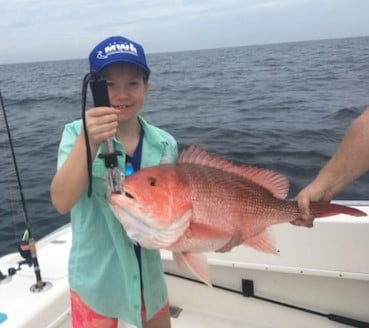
(205, 203)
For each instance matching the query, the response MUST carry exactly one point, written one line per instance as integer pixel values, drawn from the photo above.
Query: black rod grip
(99, 90)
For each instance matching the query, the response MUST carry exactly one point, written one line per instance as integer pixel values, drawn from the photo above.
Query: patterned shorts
(83, 316)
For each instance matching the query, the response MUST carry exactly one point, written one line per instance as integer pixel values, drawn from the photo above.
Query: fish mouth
(128, 195)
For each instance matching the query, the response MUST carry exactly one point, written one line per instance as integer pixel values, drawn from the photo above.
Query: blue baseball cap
(118, 49)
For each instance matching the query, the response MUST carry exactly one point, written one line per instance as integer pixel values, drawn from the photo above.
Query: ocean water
(282, 106)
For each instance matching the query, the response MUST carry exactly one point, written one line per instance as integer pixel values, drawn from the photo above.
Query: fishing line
(85, 82)
(31, 242)
(20, 188)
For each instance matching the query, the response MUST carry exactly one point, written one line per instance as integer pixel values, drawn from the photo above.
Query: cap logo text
(117, 48)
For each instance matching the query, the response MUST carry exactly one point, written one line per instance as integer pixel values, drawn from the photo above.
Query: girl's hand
(102, 123)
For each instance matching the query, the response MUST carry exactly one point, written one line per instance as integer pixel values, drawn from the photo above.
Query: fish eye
(152, 181)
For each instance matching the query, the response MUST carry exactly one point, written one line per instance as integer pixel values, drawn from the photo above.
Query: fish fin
(262, 242)
(275, 182)
(197, 263)
(323, 209)
(177, 257)
(200, 230)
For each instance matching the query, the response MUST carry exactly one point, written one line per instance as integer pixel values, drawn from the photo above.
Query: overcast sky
(37, 30)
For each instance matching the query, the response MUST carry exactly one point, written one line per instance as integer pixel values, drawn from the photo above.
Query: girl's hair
(122, 64)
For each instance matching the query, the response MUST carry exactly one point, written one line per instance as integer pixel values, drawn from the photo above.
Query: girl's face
(127, 87)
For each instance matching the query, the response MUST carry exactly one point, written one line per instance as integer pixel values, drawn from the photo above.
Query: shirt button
(135, 277)
(136, 307)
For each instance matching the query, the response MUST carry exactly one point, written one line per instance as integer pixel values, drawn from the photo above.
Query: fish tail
(323, 209)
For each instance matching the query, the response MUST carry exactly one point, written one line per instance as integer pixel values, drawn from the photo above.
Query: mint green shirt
(103, 267)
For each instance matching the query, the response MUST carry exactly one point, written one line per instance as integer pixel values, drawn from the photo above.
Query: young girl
(111, 279)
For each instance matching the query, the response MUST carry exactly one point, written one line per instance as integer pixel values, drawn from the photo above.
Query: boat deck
(202, 307)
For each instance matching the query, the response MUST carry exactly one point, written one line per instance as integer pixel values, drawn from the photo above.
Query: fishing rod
(113, 177)
(27, 251)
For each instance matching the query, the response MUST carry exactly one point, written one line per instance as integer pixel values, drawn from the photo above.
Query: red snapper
(201, 202)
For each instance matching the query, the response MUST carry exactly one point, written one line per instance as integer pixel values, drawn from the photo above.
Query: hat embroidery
(117, 48)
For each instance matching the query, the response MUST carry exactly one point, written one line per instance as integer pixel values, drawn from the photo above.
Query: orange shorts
(83, 316)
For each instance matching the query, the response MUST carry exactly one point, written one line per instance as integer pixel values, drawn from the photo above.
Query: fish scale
(226, 192)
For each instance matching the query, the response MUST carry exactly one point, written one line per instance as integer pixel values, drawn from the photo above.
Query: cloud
(44, 29)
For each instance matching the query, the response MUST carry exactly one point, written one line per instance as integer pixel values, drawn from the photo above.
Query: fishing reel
(25, 252)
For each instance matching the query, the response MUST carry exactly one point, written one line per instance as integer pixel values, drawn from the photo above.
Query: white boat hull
(324, 269)
(49, 308)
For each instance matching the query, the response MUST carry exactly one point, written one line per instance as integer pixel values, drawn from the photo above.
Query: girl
(110, 278)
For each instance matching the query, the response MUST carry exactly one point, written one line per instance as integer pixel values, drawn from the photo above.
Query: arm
(350, 161)
(69, 181)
